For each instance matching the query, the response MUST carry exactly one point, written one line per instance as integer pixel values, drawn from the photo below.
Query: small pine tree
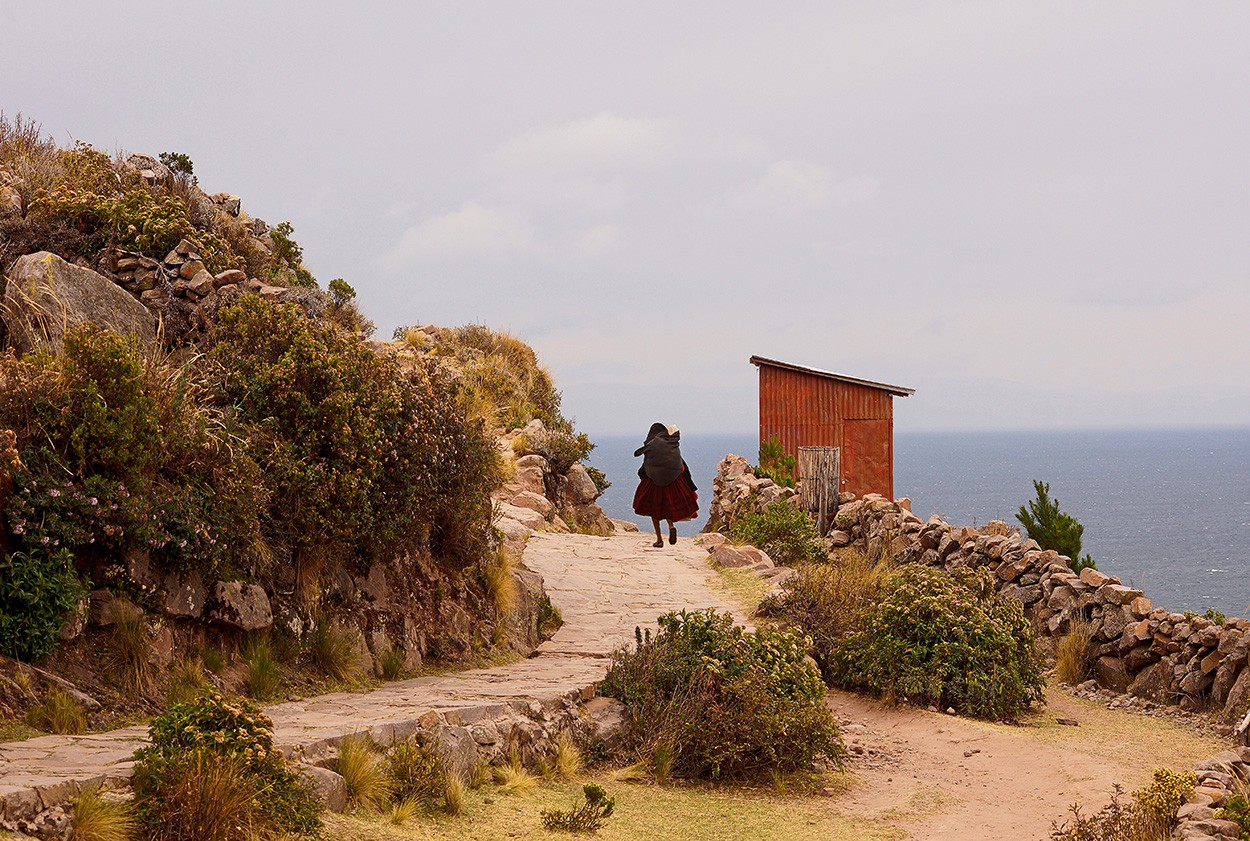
(776, 463)
(1052, 528)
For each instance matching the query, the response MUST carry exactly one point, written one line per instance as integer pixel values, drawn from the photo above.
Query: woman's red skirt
(675, 501)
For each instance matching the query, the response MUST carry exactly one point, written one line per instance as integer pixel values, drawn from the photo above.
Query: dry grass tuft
(514, 779)
(500, 582)
(209, 797)
(636, 773)
(391, 663)
(187, 681)
(331, 650)
(569, 763)
(662, 762)
(57, 713)
(96, 818)
(1072, 660)
(453, 795)
(369, 782)
(127, 654)
(829, 600)
(480, 776)
(404, 811)
(264, 677)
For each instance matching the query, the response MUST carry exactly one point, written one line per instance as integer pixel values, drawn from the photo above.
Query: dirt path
(938, 776)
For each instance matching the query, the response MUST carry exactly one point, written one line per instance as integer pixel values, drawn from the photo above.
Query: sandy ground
(938, 776)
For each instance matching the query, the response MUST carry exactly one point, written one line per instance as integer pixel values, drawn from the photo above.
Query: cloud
(804, 184)
(603, 141)
(471, 229)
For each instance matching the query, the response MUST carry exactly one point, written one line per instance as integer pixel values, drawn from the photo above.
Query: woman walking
(665, 490)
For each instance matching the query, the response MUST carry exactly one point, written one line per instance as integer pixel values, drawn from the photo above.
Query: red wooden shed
(807, 407)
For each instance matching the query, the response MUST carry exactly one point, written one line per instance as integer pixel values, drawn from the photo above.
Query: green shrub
(1149, 816)
(944, 639)
(830, 600)
(416, 772)
(586, 817)
(107, 209)
(223, 748)
(776, 464)
(1052, 528)
(358, 453)
(725, 702)
(37, 592)
(121, 452)
(1237, 810)
(787, 534)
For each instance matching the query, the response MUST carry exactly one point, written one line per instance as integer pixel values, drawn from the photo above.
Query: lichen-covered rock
(241, 605)
(183, 594)
(46, 296)
(330, 788)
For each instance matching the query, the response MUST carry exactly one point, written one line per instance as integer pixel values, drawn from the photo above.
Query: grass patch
(16, 731)
(187, 681)
(57, 713)
(568, 762)
(453, 795)
(740, 586)
(514, 779)
(674, 813)
(391, 663)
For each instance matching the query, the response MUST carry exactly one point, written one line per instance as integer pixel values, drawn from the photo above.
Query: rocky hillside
(206, 472)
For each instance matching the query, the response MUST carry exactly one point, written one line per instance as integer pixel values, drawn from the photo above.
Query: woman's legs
(672, 532)
(659, 539)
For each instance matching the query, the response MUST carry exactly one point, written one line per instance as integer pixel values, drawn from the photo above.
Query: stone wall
(1143, 650)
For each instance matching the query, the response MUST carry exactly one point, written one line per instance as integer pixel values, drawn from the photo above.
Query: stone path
(604, 587)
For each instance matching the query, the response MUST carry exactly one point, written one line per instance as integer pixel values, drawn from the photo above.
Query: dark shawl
(661, 455)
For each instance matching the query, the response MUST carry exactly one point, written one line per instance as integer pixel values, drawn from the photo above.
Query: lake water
(1165, 510)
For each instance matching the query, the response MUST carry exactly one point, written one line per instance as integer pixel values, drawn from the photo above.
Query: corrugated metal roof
(897, 390)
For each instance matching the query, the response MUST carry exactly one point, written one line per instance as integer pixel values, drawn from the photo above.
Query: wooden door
(868, 461)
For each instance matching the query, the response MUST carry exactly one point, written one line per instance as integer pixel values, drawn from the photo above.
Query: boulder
(529, 478)
(1238, 696)
(534, 502)
(457, 748)
(624, 525)
(1111, 673)
(607, 721)
(526, 517)
(330, 788)
(1154, 683)
(148, 167)
(728, 555)
(709, 540)
(839, 538)
(581, 489)
(241, 605)
(46, 296)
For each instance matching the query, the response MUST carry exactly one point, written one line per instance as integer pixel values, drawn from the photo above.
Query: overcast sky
(1035, 215)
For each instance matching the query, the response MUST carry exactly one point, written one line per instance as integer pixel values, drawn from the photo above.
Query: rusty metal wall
(803, 410)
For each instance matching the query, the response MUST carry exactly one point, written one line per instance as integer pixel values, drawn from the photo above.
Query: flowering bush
(230, 733)
(726, 702)
(943, 639)
(118, 453)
